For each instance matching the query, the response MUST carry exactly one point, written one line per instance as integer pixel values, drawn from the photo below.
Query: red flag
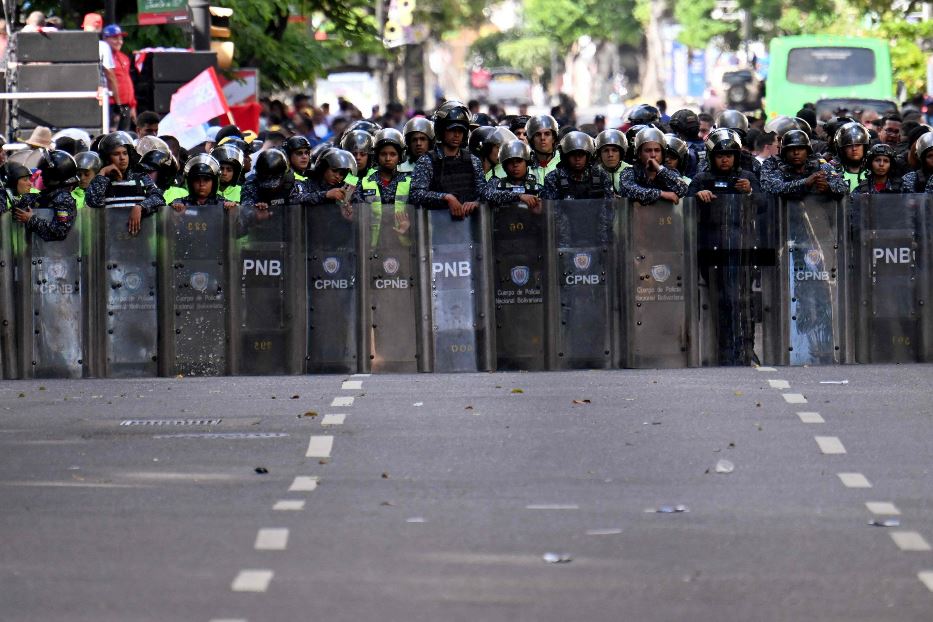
(200, 100)
(246, 116)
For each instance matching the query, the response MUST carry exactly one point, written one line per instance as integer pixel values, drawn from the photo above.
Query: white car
(506, 86)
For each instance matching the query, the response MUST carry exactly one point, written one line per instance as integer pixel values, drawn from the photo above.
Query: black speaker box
(56, 78)
(63, 46)
(57, 114)
(175, 66)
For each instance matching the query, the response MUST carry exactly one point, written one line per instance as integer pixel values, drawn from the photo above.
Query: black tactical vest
(591, 187)
(125, 193)
(454, 175)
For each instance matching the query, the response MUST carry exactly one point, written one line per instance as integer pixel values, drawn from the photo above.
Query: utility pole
(110, 12)
(200, 24)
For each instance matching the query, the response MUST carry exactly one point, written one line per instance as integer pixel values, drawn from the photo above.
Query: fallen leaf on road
(261, 470)
(517, 391)
(468, 408)
(385, 476)
(582, 402)
(295, 397)
(310, 413)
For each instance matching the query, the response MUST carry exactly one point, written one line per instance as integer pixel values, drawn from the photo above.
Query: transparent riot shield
(889, 258)
(455, 303)
(333, 308)
(730, 250)
(581, 297)
(124, 287)
(658, 292)
(389, 288)
(194, 247)
(53, 305)
(8, 355)
(805, 305)
(269, 292)
(520, 243)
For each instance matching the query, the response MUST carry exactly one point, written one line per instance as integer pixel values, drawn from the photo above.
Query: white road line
(361, 375)
(229, 620)
(854, 480)
(926, 577)
(320, 447)
(252, 581)
(882, 507)
(333, 420)
(794, 398)
(909, 541)
(304, 483)
(352, 385)
(342, 401)
(765, 369)
(289, 505)
(810, 417)
(830, 444)
(553, 506)
(271, 539)
(779, 384)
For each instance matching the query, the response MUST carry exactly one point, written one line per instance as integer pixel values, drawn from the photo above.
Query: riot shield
(454, 298)
(52, 301)
(389, 289)
(519, 239)
(8, 355)
(268, 307)
(806, 304)
(194, 247)
(658, 292)
(123, 287)
(581, 296)
(887, 244)
(730, 250)
(332, 288)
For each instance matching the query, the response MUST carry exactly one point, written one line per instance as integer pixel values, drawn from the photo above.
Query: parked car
(743, 90)
(503, 86)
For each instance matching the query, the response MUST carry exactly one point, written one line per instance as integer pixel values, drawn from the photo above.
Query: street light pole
(200, 24)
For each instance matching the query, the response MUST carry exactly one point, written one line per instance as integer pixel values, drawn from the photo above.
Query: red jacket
(121, 69)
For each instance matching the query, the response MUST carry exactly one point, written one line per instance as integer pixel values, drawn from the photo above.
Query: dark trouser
(120, 118)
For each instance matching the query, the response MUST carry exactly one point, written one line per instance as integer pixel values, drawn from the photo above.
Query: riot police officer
(59, 177)
(298, 150)
(611, 147)
(577, 176)
(800, 172)
(157, 161)
(648, 179)
(736, 121)
(677, 155)
(328, 181)
(921, 180)
(542, 136)
(202, 178)
(231, 159)
(88, 163)
(272, 183)
(419, 138)
(17, 181)
(685, 124)
(515, 157)
(644, 114)
(725, 175)
(878, 175)
(386, 189)
(851, 141)
(487, 149)
(360, 144)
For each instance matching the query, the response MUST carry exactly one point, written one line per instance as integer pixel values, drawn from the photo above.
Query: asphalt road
(438, 497)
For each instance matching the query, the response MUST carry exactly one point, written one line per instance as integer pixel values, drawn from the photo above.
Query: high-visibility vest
(230, 193)
(173, 193)
(616, 175)
(371, 188)
(78, 195)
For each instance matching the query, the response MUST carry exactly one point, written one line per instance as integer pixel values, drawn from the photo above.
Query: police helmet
(151, 143)
(477, 136)
(515, 150)
(369, 127)
(853, 133)
(577, 141)
(13, 172)
(611, 138)
(796, 138)
(517, 122)
(482, 119)
(88, 161)
(114, 140)
(82, 139)
(674, 146)
(685, 122)
(337, 159)
(203, 165)
(419, 125)
(804, 125)
(389, 136)
(644, 114)
(540, 123)
(241, 144)
(923, 145)
(229, 153)
(880, 149)
(296, 143)
(723, 140)
(632, 132)
(648, 135)
(156, 161)
(733, 120)
(833, 124)
(271, 168)
(58, 169)
(452, 114)
(781, 125)
(357, 141)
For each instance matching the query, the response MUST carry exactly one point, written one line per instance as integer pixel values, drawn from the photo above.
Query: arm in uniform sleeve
(498, 197)
(421, 179)
(753, 180)
(97, 191)
(551, 190)
(673, 180)
(154, 199)
(634, 190)
(838, 186)
(697, 183)
(606, 180)
(311, 193)
(772, 180)
(248, 195)
(64, 211)
(479, 178)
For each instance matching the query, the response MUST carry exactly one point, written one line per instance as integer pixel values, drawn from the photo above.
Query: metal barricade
(581, 295)
(8, 355)
(891, 253)
(53, 303)
(389, 279)
(333, 308)
(805, 298)
(268, 301)
(124, 332)
(659, 291)
(520, 243)
(194, 250)
(455, 304)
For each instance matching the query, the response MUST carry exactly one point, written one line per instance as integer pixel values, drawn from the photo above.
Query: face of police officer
(516, 168)
(226, 173)
(650, 151)
(454, 137)
(928, 161)
(854, 153)
(543, 141)
(795, 156)
(724, 162)
(576, 161)
(201, 187)
(493, 156)
(120, 158)
(880, 165)
(671, 161)
(891, 132)
(418, 145)
(388, 158)
(521, 134)
(362, 160)
(610, 156)
(335, 176)
(84, 177)
(299, 159)
(23, 185)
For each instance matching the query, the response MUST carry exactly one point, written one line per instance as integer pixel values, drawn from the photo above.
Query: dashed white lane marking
(766, 369)
(794, 398)
(342, 401)
(304, 483)
(333, 420)
(926, 577)
(271, 539)
(854, 480)
(352, 385)
(289, 505)
(320, 447)
(553, 506)
(779, 384)
(882, 507)
(229, 620)
(361, 375)
(830, 444)
(810, 417)
(909, 541)
(252, 581)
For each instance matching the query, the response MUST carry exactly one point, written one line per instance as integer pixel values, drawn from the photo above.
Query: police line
(579, 284)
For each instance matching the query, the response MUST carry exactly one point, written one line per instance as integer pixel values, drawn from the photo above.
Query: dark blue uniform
(634, 184)
(64, 210)
(101, 192)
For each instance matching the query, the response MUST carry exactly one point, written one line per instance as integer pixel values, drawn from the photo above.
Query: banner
(193, 105)
(156, 12)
